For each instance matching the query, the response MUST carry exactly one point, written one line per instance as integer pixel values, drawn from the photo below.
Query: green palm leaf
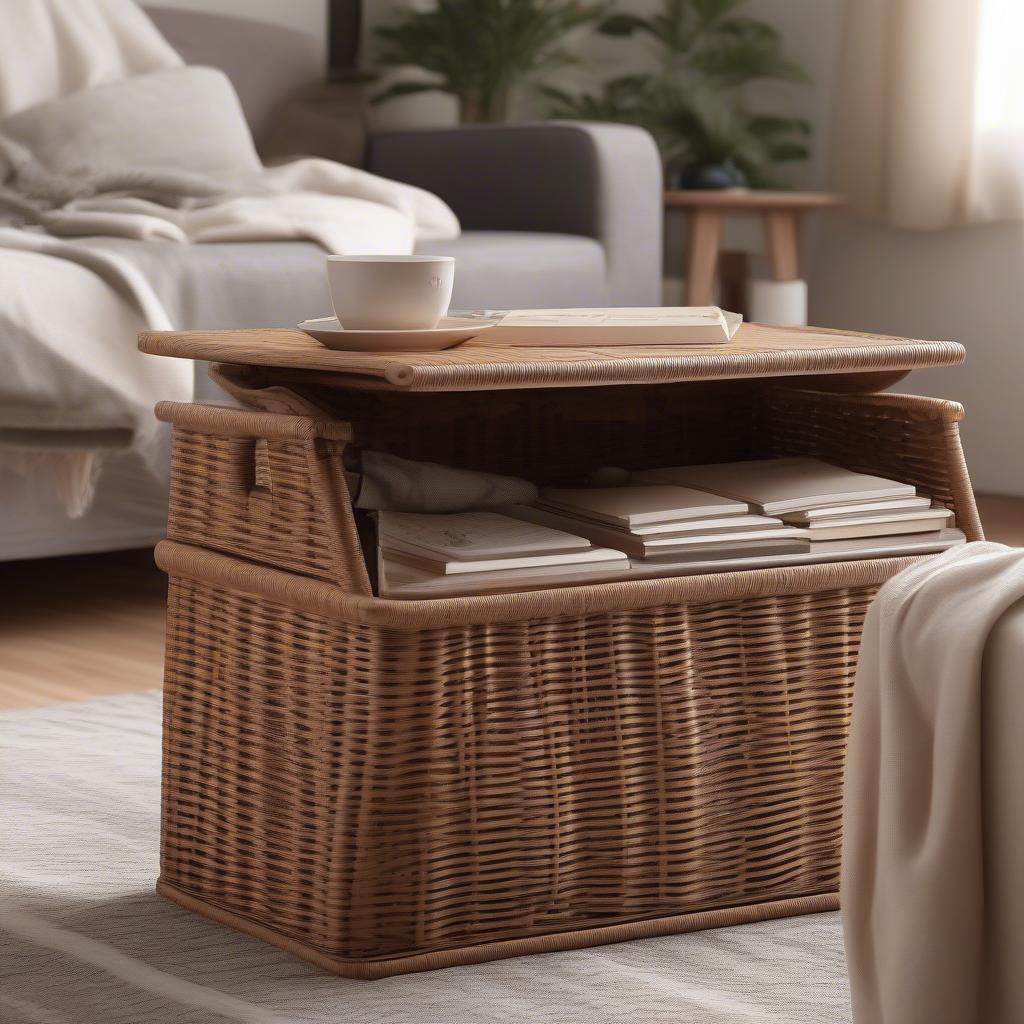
(695, 104)
(480, 50)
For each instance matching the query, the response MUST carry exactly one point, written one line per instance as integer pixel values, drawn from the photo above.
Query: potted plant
(480, 50)
(696, 102)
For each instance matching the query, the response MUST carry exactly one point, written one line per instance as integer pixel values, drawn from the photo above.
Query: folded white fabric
(389, 483)
(53, 47)
(932, 888)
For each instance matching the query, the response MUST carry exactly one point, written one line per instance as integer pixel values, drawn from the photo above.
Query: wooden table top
(756, 350)
(750, 199)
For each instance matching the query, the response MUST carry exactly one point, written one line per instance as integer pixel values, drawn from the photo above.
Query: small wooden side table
(780, 212)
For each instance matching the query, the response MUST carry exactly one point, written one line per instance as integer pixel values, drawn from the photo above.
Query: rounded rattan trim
(185, 561)
(757, 350)
(372, 970)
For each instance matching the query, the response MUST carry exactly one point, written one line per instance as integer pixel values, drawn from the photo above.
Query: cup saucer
(451, 330)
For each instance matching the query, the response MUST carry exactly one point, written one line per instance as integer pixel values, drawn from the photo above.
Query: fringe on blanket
(73, 475)
(67, 462)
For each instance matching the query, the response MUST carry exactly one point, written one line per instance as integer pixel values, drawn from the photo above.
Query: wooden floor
(80, 627)
(72, 628)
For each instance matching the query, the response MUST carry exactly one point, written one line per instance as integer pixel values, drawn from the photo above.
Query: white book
(740, 546)
(661, 542)
(620, 325)
(820, 553)
(895, 506)
(448, 567)
(859, 530)
(657, 545)
(399, 580)
(724, 524)
(777, 486)
(472, 536)
(632, 506)
(938, 517)
(404, 582)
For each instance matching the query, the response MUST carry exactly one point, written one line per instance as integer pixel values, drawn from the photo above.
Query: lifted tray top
(755, 351)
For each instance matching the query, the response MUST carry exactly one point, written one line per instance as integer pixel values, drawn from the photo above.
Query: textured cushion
(186, 119)
(524, 269)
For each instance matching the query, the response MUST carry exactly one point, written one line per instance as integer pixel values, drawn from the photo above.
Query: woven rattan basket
(385, 786)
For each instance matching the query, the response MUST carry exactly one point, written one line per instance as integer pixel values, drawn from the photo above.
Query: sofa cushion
(523, 269)
(185, 119)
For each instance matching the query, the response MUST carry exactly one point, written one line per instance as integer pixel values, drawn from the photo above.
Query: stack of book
(821, 501)
(422, 555)
(664, 523)
(678, 520)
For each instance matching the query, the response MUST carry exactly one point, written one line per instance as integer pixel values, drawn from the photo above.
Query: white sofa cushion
(186, 119)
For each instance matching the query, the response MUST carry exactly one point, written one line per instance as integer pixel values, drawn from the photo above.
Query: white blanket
(933, 852)
(53, 47)
(162, 154)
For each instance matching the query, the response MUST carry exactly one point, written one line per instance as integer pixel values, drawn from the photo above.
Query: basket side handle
(227, 421)
(323, 442)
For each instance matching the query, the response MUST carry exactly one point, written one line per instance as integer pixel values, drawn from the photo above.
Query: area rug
(83, 937)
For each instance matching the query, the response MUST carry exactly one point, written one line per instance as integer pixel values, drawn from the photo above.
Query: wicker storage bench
(387, 786)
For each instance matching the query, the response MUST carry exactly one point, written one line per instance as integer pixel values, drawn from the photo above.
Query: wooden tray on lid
(756, 350)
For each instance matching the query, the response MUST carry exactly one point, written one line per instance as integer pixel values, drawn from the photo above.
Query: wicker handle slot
(266, 485)
(261, 493)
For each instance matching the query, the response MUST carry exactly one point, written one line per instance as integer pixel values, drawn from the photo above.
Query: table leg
(704, 236)
(732, 281)
(782, 241)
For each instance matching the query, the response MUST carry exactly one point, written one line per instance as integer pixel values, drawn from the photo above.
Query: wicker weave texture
(757, 350)
(281, 500)
(375, 793)
(384, 786)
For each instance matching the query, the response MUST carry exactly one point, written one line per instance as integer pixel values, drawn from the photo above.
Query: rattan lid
(755, 351)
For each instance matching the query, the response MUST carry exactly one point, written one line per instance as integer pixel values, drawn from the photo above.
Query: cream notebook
(853, 531)
(464, 536)
(620, 325)
(889, 508)
(780, 538)
(627, 507)
(777, 486)
(398, 580)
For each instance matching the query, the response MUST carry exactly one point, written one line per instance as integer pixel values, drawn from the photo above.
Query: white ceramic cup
(396, 293)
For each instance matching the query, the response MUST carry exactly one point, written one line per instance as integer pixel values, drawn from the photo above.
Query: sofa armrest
(602, 181)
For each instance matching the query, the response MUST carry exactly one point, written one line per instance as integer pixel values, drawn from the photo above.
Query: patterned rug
(83, 937)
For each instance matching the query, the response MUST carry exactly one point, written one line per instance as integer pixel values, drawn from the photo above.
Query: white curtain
(929, 128)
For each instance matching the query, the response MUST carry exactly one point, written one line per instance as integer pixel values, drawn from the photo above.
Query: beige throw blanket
(103, 133)
(169, 155)
(933, 853)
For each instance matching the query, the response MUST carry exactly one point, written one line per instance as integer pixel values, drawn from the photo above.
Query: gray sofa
(553, 214)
